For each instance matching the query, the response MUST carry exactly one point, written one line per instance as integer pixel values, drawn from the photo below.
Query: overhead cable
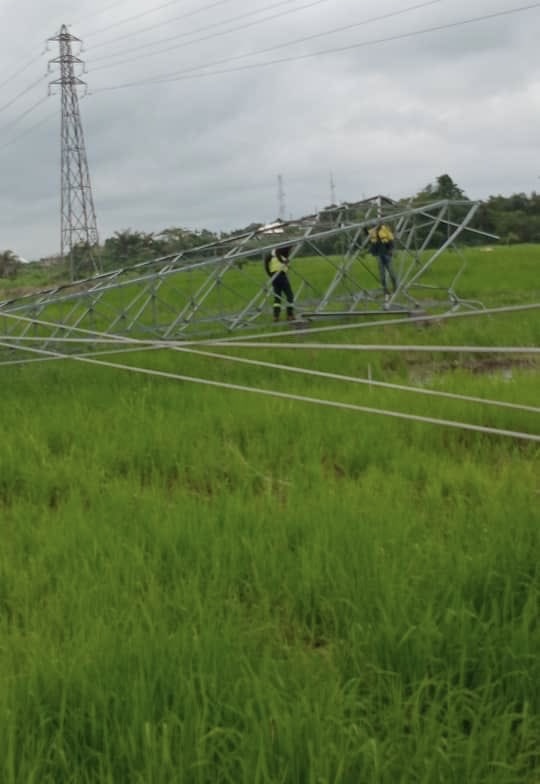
(384, 322)
(380, 347)
(98, 12)
(334, 50)
(153, 11)
(21, 70)
(22, 92)
(211, 35)
(291, 396)
(140, 345)
(365, 381)
(335, 30)
(24, 114)
(29, 130)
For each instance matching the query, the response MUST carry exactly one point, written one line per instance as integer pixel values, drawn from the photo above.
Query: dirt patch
(421, 370)
(500, 364)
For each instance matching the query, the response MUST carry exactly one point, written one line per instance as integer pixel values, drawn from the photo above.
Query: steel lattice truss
(222, 286)
(79, 235)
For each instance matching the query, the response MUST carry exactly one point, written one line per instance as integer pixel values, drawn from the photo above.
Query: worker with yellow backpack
(381, 245)
(276, 264)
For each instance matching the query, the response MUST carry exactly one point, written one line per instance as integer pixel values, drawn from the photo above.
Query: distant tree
(85, 258)
(9, 264)
(444, 187)
(514, 218)
(129, 247)
(175, 239)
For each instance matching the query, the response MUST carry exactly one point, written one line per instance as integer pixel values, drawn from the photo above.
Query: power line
(30, 129)
(286, 395)
(24, 114)
(21, 70)
(22, 92)
(146, 345)
(333, 50)
(203, 29)
(370, 20)
(382, 347)
(356, 380)
(385, 322)
(98, 13)
(242, 27)
(231, 342)
(153, 11)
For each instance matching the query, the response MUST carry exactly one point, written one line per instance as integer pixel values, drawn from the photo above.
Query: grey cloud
(207, 151)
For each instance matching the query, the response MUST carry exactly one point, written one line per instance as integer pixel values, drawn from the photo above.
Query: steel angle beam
(222, 286)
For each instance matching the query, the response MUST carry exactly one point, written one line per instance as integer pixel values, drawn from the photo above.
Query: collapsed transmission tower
(222, 286)
(78, 227)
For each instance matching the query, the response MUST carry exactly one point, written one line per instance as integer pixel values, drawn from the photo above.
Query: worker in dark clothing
(381, 242)
(277, 267)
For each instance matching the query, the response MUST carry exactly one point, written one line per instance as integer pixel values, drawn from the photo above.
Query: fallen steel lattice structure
(222, 286)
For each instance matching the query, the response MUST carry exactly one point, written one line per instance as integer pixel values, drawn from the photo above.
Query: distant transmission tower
(79, 234)
(332, 189)
(281, 198)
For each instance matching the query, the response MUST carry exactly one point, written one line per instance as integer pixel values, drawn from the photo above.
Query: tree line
(515, 219)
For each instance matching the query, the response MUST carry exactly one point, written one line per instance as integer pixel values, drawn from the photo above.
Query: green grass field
(214, 587)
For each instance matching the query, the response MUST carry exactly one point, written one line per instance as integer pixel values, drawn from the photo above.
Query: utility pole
(78, 227)
(332, 189)
(281, 198)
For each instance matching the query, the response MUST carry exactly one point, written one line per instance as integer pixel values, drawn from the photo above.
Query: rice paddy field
(212, 586)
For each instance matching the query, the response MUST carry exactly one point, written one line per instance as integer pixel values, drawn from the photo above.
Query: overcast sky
(205, 151)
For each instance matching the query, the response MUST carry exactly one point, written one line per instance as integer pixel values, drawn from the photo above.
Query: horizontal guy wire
(56, 356)
(294, 332)
(294, 397)
(381, 347)
(298, 332)
(401, 347)
(334, 50)
(140, 345)
(102, 338)
(386, 322)
(366, 381)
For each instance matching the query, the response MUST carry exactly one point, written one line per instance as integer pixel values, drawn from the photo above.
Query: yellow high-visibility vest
(276, 265)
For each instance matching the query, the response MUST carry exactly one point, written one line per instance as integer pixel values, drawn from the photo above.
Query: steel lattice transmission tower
(79, 234)
(281, 198)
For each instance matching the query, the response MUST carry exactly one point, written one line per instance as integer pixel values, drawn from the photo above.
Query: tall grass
(211, 587)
